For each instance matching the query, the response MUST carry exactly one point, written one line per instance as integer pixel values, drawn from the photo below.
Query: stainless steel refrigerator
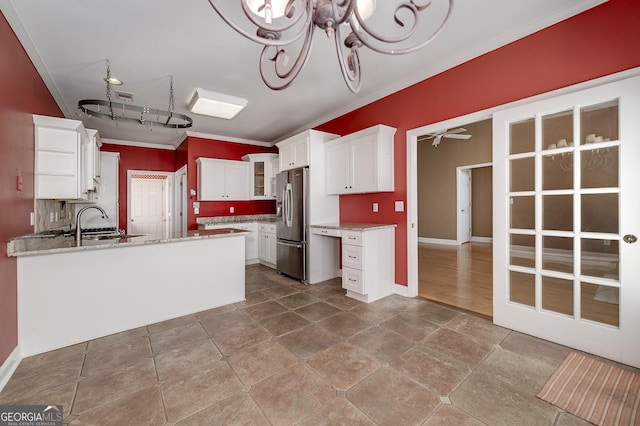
(291, 225)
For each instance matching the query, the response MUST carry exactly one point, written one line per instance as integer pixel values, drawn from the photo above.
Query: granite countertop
(34, 245)
(262, 218)
(350, 226)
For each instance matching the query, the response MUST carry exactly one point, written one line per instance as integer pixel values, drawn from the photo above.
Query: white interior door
(147, 208)
(464, 205)
(566, 179)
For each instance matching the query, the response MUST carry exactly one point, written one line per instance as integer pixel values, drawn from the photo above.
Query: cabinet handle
(352, 238)
(352, 280)
(352, 257)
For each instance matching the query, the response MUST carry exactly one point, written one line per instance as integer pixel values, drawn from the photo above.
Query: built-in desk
(368, 262)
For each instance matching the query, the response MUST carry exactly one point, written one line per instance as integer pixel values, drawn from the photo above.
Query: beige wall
(437, 178)
(482, 202)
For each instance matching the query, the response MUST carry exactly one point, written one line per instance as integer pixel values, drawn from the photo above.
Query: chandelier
(282, 24)
(598, 158)
(117, 111)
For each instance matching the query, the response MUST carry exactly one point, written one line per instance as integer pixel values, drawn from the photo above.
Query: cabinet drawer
(352, 238)
(325, 231)
(267, 228)
(352, 256)
(352, 279)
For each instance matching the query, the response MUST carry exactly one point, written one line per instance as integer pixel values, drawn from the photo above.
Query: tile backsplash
(53, 214)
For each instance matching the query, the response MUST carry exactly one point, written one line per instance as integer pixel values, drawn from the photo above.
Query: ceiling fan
(452, 134)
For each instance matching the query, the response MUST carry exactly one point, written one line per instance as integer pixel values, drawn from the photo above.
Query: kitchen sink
(110, 236)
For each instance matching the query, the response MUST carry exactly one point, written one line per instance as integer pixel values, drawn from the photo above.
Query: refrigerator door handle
(295, 245)
(289, 209)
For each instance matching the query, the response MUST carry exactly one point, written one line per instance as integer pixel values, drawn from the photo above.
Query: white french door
(566, 217)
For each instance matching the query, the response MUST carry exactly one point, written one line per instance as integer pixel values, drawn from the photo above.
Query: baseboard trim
(437, 241)
(402, 290)
(482, 239)
(9, 366)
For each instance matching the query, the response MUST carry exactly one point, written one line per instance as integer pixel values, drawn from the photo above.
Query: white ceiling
(148, 40)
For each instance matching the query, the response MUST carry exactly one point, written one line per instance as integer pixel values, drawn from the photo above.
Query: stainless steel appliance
(291, 226)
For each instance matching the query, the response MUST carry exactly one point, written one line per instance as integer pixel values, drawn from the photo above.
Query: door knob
(630, 238)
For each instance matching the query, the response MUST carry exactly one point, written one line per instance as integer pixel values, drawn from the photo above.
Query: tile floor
(295, 354)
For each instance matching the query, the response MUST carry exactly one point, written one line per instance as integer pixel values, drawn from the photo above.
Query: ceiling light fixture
(281, 23)
(206, 102)
(116, 111)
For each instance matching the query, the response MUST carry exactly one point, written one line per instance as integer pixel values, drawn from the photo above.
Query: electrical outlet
(399, 206)
(375, 207)
(231, 210)
(51, 217)
(32, 218)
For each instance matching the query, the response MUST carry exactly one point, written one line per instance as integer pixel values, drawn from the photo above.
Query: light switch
(375, 207)
(399, 206)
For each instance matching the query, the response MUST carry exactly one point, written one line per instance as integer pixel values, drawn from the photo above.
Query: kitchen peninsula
(69, 294)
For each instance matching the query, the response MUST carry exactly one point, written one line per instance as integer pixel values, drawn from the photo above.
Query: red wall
(22, 93)
(136, 158)
(163, 160)
(598, 42)
(198, 147)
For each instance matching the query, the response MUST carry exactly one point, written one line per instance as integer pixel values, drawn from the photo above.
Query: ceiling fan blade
(448, 135)
(458, 130)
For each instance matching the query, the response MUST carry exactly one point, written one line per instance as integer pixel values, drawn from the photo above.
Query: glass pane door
(563, 163)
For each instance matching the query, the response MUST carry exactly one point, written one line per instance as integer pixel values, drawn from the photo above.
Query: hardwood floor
(460, 276)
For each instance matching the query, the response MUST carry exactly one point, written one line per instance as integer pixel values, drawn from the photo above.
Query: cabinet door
(286, 158)
(272, 256)
(211, 181)
(301, 153)
(259, 177)
(237, 181)
(363, 159)
(337, 179)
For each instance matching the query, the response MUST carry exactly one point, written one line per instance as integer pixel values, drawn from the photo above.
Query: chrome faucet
(78, 228)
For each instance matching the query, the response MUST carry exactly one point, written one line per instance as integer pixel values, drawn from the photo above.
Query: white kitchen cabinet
(267, 244)
(222, 180)
(106, 196)
(92, 160)
(368, 265)
(60, 159)
(360, 162)
(261, 174)
(294, 152)
(251, 239)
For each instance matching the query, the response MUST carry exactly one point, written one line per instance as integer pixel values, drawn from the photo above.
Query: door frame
(460, 170)
(167, 202)
(412, 159)
(180, 200)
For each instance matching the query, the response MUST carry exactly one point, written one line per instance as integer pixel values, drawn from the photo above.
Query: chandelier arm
(335, 6)
(301, 61)
(353, 79)
(353, 20)
(301, 58)
(262, 40)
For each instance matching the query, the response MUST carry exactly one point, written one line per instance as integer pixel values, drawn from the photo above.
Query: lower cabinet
(368, 270)
(251, 239)
(267, 244)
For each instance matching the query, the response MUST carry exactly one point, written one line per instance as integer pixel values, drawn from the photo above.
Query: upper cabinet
(61, 155)
(261, 175)
(360, 162)
(294, 152)
(222, 180)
